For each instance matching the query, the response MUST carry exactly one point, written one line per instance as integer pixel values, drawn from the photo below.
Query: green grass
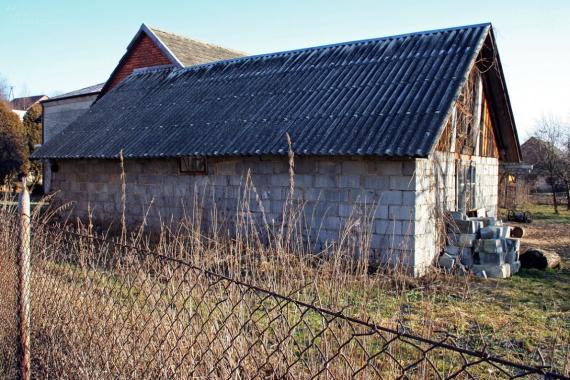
(545, 213)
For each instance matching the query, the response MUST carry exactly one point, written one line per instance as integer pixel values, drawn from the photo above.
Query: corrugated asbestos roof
(192, 52)
(384, 97)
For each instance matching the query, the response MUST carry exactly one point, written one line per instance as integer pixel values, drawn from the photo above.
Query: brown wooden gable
(497, 130)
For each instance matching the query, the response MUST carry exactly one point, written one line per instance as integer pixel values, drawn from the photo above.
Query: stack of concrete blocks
(481, 245)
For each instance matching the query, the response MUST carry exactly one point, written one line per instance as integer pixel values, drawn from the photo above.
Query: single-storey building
(150, 48)
(410, 126)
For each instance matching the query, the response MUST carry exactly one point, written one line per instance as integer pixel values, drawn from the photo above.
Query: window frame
(184, 171)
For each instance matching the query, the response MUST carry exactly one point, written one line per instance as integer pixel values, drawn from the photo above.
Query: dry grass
(105, 311)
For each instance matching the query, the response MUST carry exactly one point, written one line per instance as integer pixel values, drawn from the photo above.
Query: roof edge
(161, 45)
(319, 47)
(50, 100)
(472, 62)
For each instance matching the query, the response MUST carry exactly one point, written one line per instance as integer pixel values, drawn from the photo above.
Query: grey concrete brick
(401, 212)
(391, 198)
(409, 168)
(377, 182)
(328, 168)
(389, 168)
(349, 181)
(402, 183)
(325, 181)
(353, 168)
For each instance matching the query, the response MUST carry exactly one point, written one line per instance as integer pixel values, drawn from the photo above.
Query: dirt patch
(550, 236)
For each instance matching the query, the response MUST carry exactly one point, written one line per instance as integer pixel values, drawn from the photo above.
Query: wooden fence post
(24, 273)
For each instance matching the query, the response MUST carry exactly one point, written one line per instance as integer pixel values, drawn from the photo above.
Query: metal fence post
(24, 272)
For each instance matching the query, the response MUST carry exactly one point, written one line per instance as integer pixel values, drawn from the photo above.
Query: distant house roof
(189, 52)
(168, 50)
(388, 96)
(86, 91)
(23, 104)
(533, 151)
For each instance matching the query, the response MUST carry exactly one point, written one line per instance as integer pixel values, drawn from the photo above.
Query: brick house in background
(539, 181)
(149, 48)
(410, 126)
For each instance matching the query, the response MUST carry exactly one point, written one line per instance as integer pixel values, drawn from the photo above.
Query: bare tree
(4, 88)
(549, 130)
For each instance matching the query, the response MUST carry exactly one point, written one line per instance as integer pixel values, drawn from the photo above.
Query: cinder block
(515, 267)
(381, 212)
(305, 166)
(411, 198)
(446, 261)
(304, 180)
(466, 257)
(328, 168)
(491, 245)
(489, 258)
(389, 167)
(466, 240)
(281, 180)
(511, 257)
(337, 195)
(452, 250)
(363, 196)
(401, 213)
(325, 181)
(409, 167)
(513, 244)
(493, 271)
(353, 168)
(332, 223)
(463, 226)
(375, 182)
(349, 181)
(346, 210)
(402, 183)
(391, 198)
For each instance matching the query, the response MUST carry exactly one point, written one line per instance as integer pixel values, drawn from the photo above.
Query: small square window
(193, 165)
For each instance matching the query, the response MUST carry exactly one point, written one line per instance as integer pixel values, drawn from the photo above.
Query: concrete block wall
(436, 194)
(397, 203)
(380, 194)
(58, 114)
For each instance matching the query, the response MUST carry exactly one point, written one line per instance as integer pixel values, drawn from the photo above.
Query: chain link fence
(106, 310)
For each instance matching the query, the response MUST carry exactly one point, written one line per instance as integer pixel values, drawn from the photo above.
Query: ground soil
(550, 236)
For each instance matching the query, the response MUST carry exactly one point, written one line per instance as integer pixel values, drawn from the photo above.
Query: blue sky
(60, 45)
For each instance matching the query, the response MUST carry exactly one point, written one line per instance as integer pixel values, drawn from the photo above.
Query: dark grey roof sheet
(24, 103)
(192, 52)
(386, 97)
(91, 90)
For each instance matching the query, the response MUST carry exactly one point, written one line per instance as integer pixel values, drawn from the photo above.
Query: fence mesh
(107, 310)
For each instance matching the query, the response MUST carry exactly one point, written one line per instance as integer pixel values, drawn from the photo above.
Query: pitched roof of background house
(91, 90)
(180, 51)
(385, 97)
(191, 52)
(24, 103)
(533, 149)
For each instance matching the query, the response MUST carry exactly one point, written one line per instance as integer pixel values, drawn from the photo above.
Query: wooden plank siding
(488, 146)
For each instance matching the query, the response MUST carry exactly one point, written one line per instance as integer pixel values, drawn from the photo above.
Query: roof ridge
(154, 29)
(338, 44)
